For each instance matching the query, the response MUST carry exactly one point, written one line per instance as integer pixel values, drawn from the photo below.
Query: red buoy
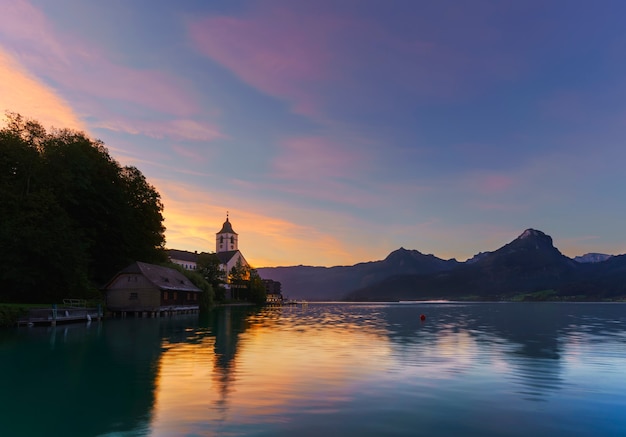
(422, 317)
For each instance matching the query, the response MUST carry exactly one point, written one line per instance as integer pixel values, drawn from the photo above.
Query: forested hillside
(71, 215)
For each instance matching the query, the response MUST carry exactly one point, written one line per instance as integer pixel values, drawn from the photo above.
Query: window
(133, 296)
(165, 295)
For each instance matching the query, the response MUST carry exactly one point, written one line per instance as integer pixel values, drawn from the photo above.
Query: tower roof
(227, 228)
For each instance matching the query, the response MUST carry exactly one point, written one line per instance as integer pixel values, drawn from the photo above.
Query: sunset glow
(337, 133)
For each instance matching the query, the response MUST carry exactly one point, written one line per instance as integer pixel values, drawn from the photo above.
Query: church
(226, 249)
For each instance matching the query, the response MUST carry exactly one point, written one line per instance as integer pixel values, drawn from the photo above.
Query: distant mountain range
(592, 258)
(332, 283)
(528, 268)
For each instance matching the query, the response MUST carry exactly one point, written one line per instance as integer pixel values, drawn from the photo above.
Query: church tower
(226, 239)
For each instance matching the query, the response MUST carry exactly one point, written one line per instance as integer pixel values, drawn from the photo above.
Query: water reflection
(78, 380)
(280, 362)
(345, 369)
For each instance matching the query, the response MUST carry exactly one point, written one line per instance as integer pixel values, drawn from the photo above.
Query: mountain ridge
(528, 264)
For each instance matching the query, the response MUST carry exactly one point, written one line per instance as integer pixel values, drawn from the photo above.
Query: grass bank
(10, 312)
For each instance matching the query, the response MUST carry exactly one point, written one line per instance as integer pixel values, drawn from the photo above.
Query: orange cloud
(23, 93)
(193, 216)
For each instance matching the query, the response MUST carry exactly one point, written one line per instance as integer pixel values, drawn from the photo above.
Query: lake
(334, 369)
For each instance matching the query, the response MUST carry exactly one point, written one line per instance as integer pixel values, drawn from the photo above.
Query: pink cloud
(276, 52)
(26, 24)
(176, 129)
(314, 158)
(191, 154)
(495, 183)
(94, 75)
(324, 169)
(59, 57)
(314, 57)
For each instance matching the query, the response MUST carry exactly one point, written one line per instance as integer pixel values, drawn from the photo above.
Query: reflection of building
(142, 287)
(226, 250)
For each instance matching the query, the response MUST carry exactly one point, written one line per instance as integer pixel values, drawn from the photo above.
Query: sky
(334, 132)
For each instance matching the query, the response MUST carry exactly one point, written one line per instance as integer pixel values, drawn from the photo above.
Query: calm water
(326, 369)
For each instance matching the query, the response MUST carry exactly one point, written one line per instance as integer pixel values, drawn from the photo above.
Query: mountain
(529, 264)
(592, 258)
(527, 268)
(332, 283)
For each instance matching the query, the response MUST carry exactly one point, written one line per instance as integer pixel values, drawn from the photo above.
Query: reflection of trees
(530, 337)
(77, 380)
(102, 379)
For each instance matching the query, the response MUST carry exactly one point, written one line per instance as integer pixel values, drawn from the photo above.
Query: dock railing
(75, 303)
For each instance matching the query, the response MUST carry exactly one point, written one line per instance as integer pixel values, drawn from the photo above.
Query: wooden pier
(164, 311)
(53, 316)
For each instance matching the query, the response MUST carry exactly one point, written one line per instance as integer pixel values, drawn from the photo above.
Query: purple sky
(337, 131)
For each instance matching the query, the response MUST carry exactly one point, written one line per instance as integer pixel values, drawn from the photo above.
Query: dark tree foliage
(70, 215)
(208, 265)
(207, 297)
(258, 294)
(246, 284)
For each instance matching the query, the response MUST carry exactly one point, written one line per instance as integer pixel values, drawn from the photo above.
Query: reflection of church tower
(226, 239)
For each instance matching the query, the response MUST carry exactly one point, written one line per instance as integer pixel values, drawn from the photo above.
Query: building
(184, 258)
(273, 292)
(148, 288)
(272, 287)
(226, 250)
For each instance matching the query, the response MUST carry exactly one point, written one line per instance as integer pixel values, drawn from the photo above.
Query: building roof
(182, 255)
(227, 228)
(226, 256)
(163, 278)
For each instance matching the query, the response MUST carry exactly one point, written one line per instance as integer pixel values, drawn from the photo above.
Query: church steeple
(226, 238)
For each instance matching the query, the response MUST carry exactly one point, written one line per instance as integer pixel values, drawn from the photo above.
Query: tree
(247, 284)
(238, 280)
(209, 266)
(258, 293)
(208, 296)
(71, 215)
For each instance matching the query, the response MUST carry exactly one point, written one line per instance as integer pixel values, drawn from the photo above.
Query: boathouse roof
(163, 278)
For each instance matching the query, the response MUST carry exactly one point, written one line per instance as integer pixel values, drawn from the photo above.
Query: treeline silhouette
(71, 216)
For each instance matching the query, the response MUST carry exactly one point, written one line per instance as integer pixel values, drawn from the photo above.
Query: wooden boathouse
(148, 290)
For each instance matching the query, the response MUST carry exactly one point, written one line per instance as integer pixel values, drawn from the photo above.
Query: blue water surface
(334, 369)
